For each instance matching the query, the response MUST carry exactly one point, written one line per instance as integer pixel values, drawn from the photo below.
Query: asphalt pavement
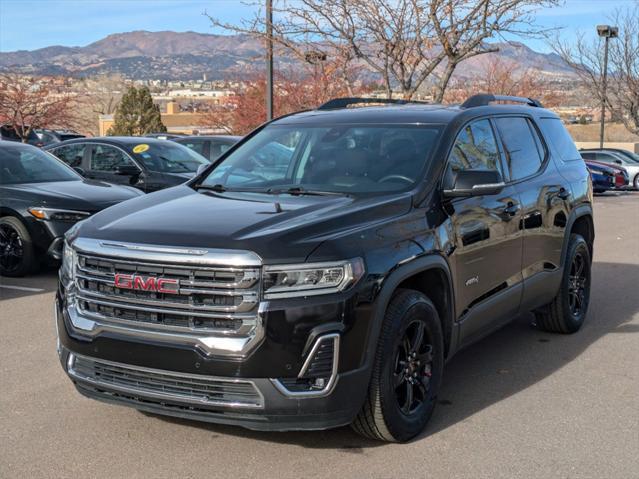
(520, 403)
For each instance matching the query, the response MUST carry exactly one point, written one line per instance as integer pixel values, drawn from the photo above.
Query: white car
(626, 159)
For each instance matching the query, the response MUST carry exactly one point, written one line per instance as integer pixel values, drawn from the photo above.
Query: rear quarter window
(558, 136)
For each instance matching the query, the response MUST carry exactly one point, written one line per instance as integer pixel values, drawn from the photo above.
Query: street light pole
(607, 32)
(269, 60)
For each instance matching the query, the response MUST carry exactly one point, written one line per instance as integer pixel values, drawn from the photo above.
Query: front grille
(207, 299)
(165, 385)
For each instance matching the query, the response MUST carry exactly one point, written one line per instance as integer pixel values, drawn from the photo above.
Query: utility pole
(269, 60)
(607, 32)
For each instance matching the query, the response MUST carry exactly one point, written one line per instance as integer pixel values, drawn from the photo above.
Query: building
(174, 120)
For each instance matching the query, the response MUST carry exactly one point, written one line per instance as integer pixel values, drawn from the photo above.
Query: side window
(475, 149)
(217, 149)
(197, 146)
(71, 154)
(108, 158)
(606, 158)
(556, 133)
(521, 145)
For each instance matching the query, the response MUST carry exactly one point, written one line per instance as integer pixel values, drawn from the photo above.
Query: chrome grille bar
(215, 307)
(165, 385)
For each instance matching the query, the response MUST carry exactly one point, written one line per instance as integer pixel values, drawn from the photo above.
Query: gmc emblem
(147, 283)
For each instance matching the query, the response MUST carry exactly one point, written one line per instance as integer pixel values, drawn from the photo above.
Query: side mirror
(79, 170)
(475, 183)
(619, 162)
(127, 170)
(201, 168)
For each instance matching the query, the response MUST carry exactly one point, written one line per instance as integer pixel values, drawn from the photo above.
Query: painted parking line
(21, 288)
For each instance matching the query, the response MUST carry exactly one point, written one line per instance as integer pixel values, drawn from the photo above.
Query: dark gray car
(40, 199)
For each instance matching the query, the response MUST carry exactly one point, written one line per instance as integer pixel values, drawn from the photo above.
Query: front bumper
(278, 356)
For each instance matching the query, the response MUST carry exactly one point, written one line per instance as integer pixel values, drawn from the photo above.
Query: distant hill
(188, 55)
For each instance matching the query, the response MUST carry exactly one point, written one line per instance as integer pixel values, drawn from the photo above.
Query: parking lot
(520, 403)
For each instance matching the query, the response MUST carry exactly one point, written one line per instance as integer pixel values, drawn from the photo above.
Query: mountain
(170, 55)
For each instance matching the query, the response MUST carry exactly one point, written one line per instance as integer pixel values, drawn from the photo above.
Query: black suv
(323, 270)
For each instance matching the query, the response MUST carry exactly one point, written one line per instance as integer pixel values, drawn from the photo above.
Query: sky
(32, 24)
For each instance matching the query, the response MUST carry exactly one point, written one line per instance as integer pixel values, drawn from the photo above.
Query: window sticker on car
(140, 148)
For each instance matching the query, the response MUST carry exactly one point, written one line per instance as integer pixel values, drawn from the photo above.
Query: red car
(622, 180)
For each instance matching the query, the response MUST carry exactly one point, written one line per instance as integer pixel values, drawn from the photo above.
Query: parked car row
(43, 192)
(612, 168)
(40, 199)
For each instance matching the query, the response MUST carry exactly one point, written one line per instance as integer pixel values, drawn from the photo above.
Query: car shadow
(499, 366)
(44, 281)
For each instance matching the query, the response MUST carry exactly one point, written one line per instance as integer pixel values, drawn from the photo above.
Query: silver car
(626, 159)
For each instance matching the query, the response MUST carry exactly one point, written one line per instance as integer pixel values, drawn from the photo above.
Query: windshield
(629, 155)
(346, 159)
(168, 157)
(24, 164)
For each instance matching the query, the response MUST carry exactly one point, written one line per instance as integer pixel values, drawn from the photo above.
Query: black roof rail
(337, 103)
(484, 99)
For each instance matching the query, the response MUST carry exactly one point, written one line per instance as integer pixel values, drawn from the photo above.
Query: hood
(83, 195)
(277, 227)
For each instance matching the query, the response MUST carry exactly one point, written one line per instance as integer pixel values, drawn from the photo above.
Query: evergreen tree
(136, 114)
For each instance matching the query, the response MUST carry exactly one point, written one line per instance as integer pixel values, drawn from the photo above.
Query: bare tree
(586, 57)
(404, 41)
(501, 76)
(27, 103)
(100, 96)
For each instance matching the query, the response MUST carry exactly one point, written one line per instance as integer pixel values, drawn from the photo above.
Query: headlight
(69, 259)
(58, 215)
(289, 281)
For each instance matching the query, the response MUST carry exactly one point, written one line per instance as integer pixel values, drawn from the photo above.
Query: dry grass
(615, 132)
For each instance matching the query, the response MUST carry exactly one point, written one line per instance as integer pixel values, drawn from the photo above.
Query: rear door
(105, 161)
(545, 196)
(73, 155)
(487, 238)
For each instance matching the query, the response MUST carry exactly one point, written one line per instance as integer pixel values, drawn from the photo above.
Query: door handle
(510, 210)
(564, 194)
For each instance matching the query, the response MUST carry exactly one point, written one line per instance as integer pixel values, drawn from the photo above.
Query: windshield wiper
(299, 191)
(219, 188)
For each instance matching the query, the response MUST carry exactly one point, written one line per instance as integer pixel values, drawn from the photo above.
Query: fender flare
(390, 283)
(579, 212)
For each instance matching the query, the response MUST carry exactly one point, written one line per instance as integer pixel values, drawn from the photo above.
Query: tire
(17, 257)
(388, 414)
(635, 182)
(567, 311)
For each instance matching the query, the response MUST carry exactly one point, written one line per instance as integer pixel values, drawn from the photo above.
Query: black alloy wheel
(11, 249)
(566, 313)
(577, 282)
(407, 370)
(16, 250)
(413, 368)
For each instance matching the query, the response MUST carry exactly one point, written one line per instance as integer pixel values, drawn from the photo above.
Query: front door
(488, 243)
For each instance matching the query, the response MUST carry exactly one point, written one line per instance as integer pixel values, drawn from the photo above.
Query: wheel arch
(581, 221)
(429, 275)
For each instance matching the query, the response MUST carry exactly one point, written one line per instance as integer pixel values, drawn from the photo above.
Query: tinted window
(108, 158)
(521, 147)
(71, 154)
(353, 159)
(195, 145)
(475, 149)
(558, 136)
(23, 164)
(217, 148)
(607, 157)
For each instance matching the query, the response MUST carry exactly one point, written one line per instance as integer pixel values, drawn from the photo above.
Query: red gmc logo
(147, 283)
